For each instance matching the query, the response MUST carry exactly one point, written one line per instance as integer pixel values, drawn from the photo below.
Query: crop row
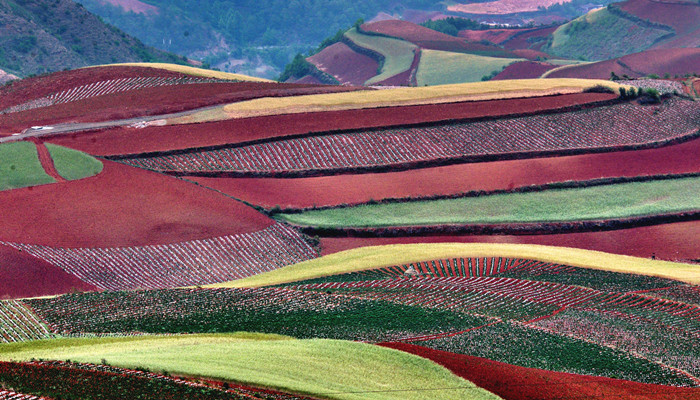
(18, 323)
(662, 86)
(82, 381)
(271, 310)
(519, 344)
(104, 88)
(625, 124)
(190, 263)
(7, 395)
(493, 296)
(636, 335)
(671, 313)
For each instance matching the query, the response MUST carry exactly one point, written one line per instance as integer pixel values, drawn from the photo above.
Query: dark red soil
(683, 18)
(524, 70)
(532, 55)
(47, 162)
(124, 140)
(659, 61)
(26, 276)
(512, 382)
(404, 78)
(346, 65)
(527, 38)
(492, 35)
(453, 179)
(676, 241)
(308, 80)
(33, 88)
(155, 101)
(122, 206)
(430, 39)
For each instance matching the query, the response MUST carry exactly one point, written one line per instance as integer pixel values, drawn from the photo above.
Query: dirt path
(47, 161)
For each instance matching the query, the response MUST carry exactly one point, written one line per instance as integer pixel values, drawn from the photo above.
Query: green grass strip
(20, 166)
(444, 67)
(615, 201)
(325, 368)
(398, 53)
(73, 164)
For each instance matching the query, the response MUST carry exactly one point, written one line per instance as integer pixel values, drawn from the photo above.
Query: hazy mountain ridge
(50, 35)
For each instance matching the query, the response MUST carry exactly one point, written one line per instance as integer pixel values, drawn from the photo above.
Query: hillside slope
(45, 36)
(629, 27)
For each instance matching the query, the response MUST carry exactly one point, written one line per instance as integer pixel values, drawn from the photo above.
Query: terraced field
(617, 126)
(442, 67)
(398, 54)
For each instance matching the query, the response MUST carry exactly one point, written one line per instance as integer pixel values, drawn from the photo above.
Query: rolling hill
(46, 36)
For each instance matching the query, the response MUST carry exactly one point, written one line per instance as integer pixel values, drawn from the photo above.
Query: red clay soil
(40, 86)
(429, 39)
(532, 55)
(682, 17)
(406, 78)
(125, 140)
(659, 61)
(345, 64)
(513, 382)
(454, 179)
(496, 36)
(676, 241)
(122, 206)
(525, 39)
(156, 101)
(524, 70)
(308, 80)
(46, 161)
(24, 275)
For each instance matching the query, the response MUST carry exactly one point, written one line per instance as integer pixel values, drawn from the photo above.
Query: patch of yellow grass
(383, 256)
(184, 69)
(475, 91)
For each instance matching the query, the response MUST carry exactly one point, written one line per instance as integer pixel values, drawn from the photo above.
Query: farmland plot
(616, 126)
(181, 264)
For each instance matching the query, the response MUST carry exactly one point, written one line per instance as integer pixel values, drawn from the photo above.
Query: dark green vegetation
(51, 35)
(20, 166)
(83, 381)
(522, 312)
(452, 26)
(272, 30)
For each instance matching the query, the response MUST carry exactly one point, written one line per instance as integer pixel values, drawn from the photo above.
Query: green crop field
(443, 67)
(72, 164)
(611, 201)
(20, 166)
(398, 54)
(601, 35)
(325, 368)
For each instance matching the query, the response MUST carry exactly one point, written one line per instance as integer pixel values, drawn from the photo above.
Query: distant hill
(628, 27)
(5, 77)
(51, 35)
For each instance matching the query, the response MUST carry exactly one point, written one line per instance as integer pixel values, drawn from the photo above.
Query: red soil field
(499, 7)
(346, 65)
(513, 382)
(430, 39)
(525, 39)
(454, 179)
(676, 241)
(155, 101)
(406, 78)
(308, 80)
(26, 276)
(40, 86)
(524, 70)
(123, 140)
(497, 36)
(122, 206)
(682, 17)
(659, 61)
(133, 5)
(531, 54)
(46, 160)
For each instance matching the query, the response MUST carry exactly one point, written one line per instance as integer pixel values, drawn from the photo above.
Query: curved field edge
(372, 257)
(187, 70)
(601, 202)
(361, 371)
(475, 91)
(73, 164)
(21, 166)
